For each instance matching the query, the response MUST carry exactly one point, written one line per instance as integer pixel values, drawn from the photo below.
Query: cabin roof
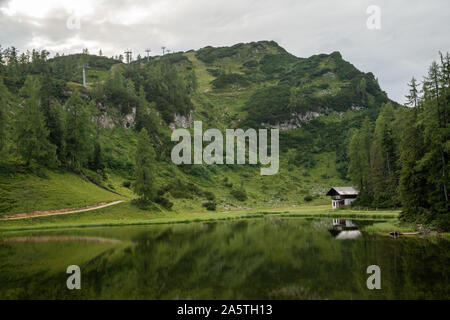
(342, 191)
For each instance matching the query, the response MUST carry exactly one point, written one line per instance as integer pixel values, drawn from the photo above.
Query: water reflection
(344, 229)
(268, 258)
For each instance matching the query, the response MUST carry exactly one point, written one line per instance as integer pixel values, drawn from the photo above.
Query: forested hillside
(402, 158)
(337, 128)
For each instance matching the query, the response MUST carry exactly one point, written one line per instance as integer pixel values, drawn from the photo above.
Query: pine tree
(31, 134)
(366, 142)
(79, 132)
(413, 96)
(384, 159)
(359, 154)
(3, 115)
(144, 119)
(355, 170)
(412, 181)
(97, 163)
(445, 70)
(53, 114)
(144, 170)
(13, 77)
(2, 61)
(424, 152)
(141, 110)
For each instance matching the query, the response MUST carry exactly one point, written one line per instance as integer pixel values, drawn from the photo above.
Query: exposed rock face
(297, 120)
(182, 121)
(129, 119)
(105, 121)
(108, 121)
(356, 108)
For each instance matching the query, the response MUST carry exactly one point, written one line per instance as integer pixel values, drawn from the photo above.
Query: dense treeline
(168, 82)
(402, 160)
(68, 67)
(41, 124)
(41, 132)
(210, 54)
(321, 83)
(48, 121)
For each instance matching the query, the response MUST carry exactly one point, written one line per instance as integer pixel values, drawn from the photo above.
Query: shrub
(209, 195)
(308, 198)
(239, 194)
(180, 190)
(166, 203)
(231, 79)
(269, 104)
(214, 72)
(276, 63)
(443, 222)
(251, 64)
(323, 86)
(200, 171)
(6, 203)
(144, 204)
(126, 184)
(210, 54)
(181, 194)
(210, 205)
(226, 183)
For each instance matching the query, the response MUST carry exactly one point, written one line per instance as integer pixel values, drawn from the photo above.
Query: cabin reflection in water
(344, 229)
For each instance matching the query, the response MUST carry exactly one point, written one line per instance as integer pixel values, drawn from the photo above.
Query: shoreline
(124, 217)
(126, 214)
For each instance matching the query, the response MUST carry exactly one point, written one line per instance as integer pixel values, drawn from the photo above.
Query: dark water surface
(269, 258)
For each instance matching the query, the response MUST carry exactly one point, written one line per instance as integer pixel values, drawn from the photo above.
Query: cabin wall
(348, 201)
(338, 203)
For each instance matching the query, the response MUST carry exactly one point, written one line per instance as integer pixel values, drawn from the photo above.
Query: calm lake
(267, 258)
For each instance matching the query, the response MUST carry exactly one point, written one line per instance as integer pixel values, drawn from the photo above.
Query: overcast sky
(411, 31)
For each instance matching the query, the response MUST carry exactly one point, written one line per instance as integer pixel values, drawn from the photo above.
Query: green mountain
(285, 90)
(315, 101)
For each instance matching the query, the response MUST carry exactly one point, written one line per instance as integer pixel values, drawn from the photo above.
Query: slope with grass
(228, 87)
(54, 190)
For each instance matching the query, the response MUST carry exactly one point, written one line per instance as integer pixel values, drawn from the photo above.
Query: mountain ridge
(252, 85)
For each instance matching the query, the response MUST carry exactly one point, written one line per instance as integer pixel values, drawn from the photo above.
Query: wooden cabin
(342, 196)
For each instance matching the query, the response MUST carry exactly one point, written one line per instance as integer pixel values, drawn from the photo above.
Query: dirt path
(46, 213)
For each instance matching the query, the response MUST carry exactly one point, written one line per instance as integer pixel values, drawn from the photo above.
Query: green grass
(27, 192)
(390, 225)
(128, 214)
(203, 77)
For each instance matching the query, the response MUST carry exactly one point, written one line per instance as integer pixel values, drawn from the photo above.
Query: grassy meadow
(127, 213)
